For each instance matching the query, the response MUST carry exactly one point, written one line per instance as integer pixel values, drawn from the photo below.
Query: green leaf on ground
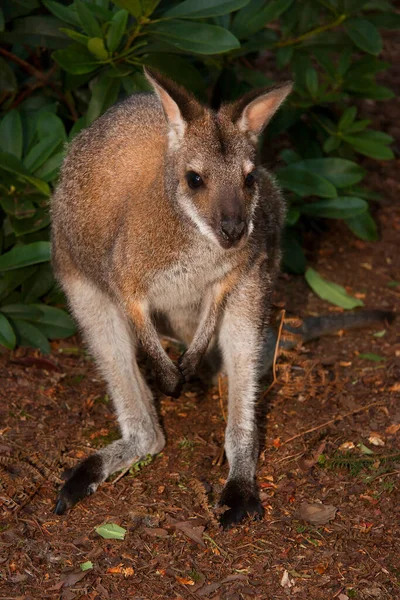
(111, 531)
(372, 356)
(85, 566)
(332, 292)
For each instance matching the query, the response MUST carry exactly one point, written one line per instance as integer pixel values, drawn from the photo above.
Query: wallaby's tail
(311, 328)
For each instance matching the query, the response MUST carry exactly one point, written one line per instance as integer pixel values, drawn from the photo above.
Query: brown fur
(132, 240)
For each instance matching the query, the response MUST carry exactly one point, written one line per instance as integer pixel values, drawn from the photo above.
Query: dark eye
(194, 180)
(250, 180)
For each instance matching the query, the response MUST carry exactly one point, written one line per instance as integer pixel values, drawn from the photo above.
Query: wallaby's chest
(185, 282)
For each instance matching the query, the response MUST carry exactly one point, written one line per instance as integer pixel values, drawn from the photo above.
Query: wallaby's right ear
(179, 106)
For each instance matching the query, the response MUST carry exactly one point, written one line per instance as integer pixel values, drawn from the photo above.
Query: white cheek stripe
(192, 213)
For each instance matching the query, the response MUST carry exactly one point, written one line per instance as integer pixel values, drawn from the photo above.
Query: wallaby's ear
(252, 112)
(179, 106)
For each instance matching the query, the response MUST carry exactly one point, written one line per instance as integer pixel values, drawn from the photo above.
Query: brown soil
(55, 409)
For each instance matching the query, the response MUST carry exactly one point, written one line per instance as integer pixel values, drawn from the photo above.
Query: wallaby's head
(210, 167)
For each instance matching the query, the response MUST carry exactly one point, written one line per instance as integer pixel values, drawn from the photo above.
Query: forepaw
(81, 481)
(170, 380)
(242, 501)
(189, 363)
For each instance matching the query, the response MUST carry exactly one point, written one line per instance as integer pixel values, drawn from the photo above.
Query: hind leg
(109, 335)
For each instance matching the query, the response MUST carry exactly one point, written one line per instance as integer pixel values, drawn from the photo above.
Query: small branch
(311, 33)
(283, 313)
(22, 63)
(331, 421)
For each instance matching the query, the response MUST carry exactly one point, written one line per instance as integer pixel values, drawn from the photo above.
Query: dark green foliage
(64, 63)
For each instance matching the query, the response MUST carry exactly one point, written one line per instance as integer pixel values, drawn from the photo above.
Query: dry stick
(220, 397)
(337, 418)
(123, 472)
(283, 313)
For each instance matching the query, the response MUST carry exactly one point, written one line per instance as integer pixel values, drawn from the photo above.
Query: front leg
(212, 309)
(169, 377)
(240, 339)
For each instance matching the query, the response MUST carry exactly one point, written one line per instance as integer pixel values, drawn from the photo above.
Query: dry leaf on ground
(317, 514)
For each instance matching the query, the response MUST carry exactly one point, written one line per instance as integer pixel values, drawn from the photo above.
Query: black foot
(81, 481)
(170, 383)
(243, 501)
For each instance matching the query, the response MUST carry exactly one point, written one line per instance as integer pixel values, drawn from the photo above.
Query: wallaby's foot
(243, 501)
(189, 362)
(82, 481)
(169, 378)
(85, 478)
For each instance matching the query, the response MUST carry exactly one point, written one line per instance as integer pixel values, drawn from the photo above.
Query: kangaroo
(163, 222)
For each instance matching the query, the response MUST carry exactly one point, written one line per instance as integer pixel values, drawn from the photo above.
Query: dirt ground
(55, 409)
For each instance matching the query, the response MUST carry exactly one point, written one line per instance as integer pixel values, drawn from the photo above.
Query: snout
(232, 230)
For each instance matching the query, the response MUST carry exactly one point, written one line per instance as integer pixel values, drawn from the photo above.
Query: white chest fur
(187, 280)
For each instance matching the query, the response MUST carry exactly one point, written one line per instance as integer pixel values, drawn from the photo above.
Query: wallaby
(163, 221)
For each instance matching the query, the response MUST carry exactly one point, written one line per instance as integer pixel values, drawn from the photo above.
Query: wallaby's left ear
(252, 112)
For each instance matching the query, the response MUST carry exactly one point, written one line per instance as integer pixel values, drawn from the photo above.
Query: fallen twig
(283, 313)
(337, 418)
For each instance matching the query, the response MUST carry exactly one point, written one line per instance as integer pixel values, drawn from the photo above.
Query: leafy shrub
(62, 65)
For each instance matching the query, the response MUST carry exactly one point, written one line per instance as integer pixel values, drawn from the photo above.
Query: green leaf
(39, 220)
(200, 9)
(196, 38)
(54, 323)
(372, 356)
(364, 35)
(10, 163)
(49, 170)
(21, 311)
(104, 94)
(339, 171)
(393, 284)
(50, 125)
(364, 144)
(294, 260)
(364, 449)
(31, 336)
(297, 178)
(7, 335)
(149, 6)
(11, 133)
(97, 48)
(88, 21)
(111, 531)
(333, 293)
(23, 256)
(385, 20)
(380, 334)
(38, 284)
(76, 59)
(76, 36)
(41, 152)
(64, 13)
(116, 30)
(347, 118)
(36, 30)
(256, 15)
(312, 81)
(134, 7)
(10, 280)
(364, 227)
(342, 207)
(85, 566)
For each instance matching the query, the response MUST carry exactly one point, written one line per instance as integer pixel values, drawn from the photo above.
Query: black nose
(233, 229)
